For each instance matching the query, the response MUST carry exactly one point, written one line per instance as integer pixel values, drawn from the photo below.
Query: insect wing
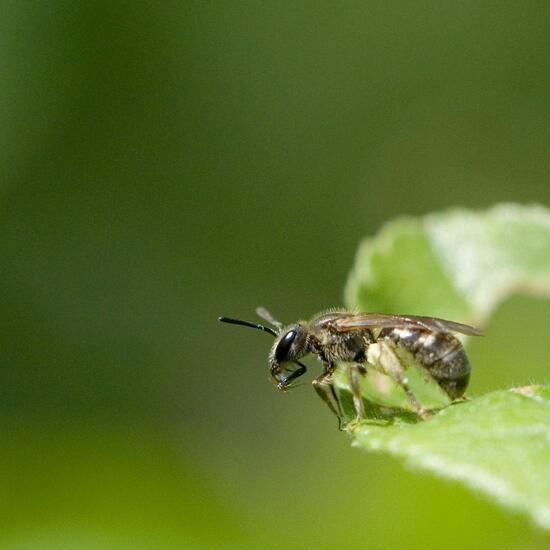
(382, 320)
(451, 326)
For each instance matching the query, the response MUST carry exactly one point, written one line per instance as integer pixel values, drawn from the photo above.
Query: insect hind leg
(355, 371)
(383, 357)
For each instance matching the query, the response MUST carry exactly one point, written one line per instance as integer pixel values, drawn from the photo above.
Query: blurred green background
(164, 163)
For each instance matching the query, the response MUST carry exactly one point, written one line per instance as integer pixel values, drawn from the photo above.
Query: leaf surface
(498, 444)
(457, 265)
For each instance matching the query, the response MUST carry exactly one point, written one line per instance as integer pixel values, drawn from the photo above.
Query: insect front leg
(325, 390)
(383, 357)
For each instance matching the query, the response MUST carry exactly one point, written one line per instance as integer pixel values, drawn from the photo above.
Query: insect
(364, 341)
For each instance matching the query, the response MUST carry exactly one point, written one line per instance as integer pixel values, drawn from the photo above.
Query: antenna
(247, 324)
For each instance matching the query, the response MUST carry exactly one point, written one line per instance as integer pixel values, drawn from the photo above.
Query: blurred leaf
(458, 264)
(498, 444)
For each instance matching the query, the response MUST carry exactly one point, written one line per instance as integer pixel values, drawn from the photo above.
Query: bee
(367, 341)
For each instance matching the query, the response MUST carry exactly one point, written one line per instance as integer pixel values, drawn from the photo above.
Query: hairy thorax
(348, 347)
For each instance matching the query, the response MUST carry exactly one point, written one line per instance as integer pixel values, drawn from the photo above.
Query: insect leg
(325, 390)
(354, 372)
(382, 355)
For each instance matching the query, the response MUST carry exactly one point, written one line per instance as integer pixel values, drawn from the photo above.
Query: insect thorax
(347, 347)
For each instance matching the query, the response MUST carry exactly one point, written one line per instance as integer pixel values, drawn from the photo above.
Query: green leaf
(458, 265)
(498, 444)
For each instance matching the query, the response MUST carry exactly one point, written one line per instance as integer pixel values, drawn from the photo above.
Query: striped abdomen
(441, 354)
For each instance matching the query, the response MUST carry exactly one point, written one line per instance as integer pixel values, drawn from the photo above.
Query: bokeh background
(164, 163)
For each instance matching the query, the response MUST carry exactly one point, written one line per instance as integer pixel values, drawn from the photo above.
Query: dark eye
(283, 347)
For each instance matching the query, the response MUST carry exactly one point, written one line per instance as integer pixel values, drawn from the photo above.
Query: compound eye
(283, 347)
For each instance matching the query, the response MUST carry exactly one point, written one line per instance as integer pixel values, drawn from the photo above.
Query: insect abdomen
(441, 354)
